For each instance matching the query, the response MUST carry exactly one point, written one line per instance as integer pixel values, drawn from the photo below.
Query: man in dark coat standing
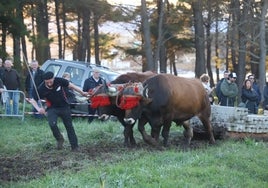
(36, 75)
(11, 80)
(90, 83)
(33, 79)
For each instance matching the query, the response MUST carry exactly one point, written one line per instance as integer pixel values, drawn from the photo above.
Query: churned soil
(32, 165)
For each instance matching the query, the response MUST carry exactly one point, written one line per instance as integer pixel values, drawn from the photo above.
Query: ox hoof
(130, 145)
(212, 141)
(104, 117)
(129, 121)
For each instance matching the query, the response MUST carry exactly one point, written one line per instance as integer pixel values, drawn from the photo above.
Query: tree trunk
(42, 40)
(23, 41)
(200, 67)
(17, 38)
(64, 29)
(4, 38)
(160, 43)
(242, 44)
(208, 39)
(78, 47)
(263, 49)
(172, 63)
(57, 14)
(217, 44)
(150, 64)
(16, 52)
(96, 40)
(33, 50)
(85, 34)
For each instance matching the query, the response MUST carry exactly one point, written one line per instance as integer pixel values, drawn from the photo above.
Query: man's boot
(60, 143)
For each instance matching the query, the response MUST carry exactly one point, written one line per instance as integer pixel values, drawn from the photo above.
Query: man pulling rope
(57, 106)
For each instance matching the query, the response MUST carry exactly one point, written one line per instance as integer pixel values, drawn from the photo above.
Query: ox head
(134, 98)
(106, 102)
(99, 97)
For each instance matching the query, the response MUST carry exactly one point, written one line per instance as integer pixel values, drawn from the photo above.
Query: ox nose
(129, 120)
(104, 117)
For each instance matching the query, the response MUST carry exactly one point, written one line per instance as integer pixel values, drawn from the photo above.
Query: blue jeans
(13, 96)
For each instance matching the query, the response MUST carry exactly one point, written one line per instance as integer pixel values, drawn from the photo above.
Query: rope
(77, 115)
(43, 101)
(32, 79)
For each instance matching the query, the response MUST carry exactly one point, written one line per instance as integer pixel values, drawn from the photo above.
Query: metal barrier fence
(13, 104)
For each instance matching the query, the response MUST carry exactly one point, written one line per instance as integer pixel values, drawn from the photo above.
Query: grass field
(28, 158)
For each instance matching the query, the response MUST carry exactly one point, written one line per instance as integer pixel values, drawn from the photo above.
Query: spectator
(57, 106)
(69, 92)
(249, 97)
(1, 91)
(205, 82)
(90, 83)
(33, 79)
(229, 90)
(218, 86)
(265, 95)
(36, 75)
(2, 69)
(256, 87)
(1, 87)
(11, 80)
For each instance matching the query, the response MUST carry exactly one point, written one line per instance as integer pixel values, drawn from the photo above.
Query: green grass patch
(29, 159)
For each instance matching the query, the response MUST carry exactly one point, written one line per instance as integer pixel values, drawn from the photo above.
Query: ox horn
(105, 85)
(145, 91)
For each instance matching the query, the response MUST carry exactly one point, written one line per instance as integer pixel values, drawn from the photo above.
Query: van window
(53, 68)
(76, 74)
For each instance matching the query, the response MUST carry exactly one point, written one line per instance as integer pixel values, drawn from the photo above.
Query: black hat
(48, 75)
(232, 75)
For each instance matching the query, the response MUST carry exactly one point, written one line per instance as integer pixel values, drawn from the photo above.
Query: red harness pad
(129, 101)
(100, 100)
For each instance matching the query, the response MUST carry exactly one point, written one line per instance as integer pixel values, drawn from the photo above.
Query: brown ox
(112, 92)
(168, 98)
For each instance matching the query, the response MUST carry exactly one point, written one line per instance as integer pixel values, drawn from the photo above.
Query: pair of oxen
(157, 99)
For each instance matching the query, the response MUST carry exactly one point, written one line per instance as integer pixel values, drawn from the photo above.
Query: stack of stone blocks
(235, 119)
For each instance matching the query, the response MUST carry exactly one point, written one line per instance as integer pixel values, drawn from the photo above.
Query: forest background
(223, 35)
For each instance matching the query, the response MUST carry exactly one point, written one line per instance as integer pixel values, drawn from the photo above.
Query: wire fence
(13, 103)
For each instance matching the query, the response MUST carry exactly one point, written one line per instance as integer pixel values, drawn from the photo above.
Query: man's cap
(48, 75)
(232, 75)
